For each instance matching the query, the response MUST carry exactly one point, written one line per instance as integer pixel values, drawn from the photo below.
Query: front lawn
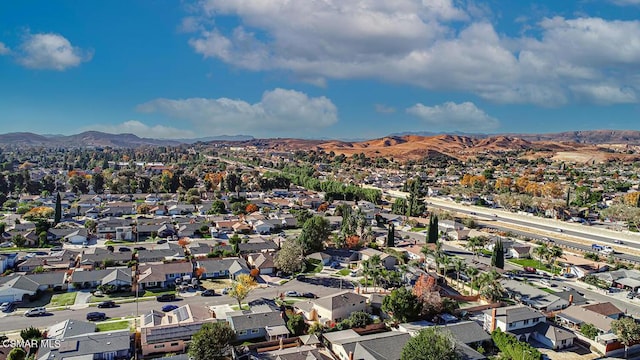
(547, 290)
(64, 299)
(344, 272)
(158, 292)
(112, 326)
(535, 264)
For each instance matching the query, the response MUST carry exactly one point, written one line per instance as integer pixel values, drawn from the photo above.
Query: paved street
(11, 322)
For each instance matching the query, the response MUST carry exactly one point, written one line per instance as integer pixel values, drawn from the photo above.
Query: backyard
(536, 264)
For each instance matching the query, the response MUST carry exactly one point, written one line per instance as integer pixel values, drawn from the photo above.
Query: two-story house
(332, 308)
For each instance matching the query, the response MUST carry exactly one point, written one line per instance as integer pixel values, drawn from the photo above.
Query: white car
(37, 311)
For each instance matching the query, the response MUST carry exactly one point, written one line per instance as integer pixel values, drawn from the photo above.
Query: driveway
(82, 298)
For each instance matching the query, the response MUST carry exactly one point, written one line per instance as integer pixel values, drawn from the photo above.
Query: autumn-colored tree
(353, 241)
(199, 271)
(254, 273)
(183, 242)
(503, 184)
(521, 184)
(250, 208)
(241, 287)
(424, 285)
(632, 199)
(323, 207)
(39, 212)
(143, 209)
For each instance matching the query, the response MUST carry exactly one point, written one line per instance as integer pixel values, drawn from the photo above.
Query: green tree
(431, 344)
(402, 305)
(555, 252)
(489, 286)
(472, 271)
(460, 266)
(218, 207)
(211, 341)
(497, 258)
(31, 333)
(19, 240)
(627, 330)
(315, 232)
(391, 235)
(433, 229)
(17, 354)
(360, 319)
(58, 210)
(296, 324)
(589, 330)
(290, 258)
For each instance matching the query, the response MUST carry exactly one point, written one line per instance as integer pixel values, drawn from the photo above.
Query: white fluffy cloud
(50, 51)
(435, 44)
(280, 112)
(384, 109)
(452, 116)
(4, 50)
(142, 130)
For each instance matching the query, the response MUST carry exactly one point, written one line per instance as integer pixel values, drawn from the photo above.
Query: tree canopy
(315, 232)
(211, 341)
(402, 305)
(431, 344)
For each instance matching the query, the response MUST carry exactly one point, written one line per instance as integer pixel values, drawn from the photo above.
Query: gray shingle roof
(255, 321)
(88, 344)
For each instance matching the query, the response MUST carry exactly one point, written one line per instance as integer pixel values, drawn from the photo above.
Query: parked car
(169, 307)
(36, 311)
(208, 292)
(631, 295)
(545, 282)
(139, 248)
(225, 291)
(124, 249)
(96, 316)
(161, 242)
(7, 306)
(567, 288)
(110, 248)
(292, 293)
(559, 230)
(568, 275)
(309, 295)
(107, 304)
(335, 265)
(166, 297)
(98, 293)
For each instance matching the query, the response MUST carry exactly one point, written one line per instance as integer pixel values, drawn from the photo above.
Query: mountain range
(582, 146)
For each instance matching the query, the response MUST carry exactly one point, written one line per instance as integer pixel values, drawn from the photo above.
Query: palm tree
(541, 252)
(475, 244)
(366, 271)
(490, 286)
(459, 265)
(376, 270)
(554, 253)
(445, 260)
(473, 272)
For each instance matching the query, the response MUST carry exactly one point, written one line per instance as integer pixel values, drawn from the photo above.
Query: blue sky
(318, 68)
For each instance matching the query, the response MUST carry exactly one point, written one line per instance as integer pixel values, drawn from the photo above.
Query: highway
(542, 231)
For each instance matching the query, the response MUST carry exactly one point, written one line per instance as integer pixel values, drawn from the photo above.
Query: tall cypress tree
(391, 236)
(433, 229)
(58, 214)
(497, 258)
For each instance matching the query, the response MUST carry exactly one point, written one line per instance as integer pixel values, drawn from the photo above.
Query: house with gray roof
(118, 277)
(163, 275)
(222, 268)
(163, 252)
(268, 325)
(533, 296)
(348, 344)
(17, 288)
(98, 257)
(95, 345)
(70, 328)
(332, 308)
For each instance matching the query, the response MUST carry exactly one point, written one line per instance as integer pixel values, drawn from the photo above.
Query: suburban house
(262, 262)
(622, 279)
(332, 308)
(260, 323)
(163, 275)
(118, 277)
(17, 288)
(98, 257)
(469, 335)
(388, 261)
(533, 296)
(201, 250)
(524, 322)
(520, 252)
(222, 268)
(95, 345)
(77, 237)
(162, 252)
(605, 309)
(255, 245)
(349, 345)
(574, 316)
(458, 234)
(171, 331)
(61, 260)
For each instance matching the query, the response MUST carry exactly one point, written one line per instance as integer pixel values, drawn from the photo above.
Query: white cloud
(142, 130)
(50, 51)
(280, 112)
(434, 44)
(4, 50)
(451, 116)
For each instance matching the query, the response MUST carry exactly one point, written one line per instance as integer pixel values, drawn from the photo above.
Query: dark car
(124, 249)
(139, 248)
(107, 304)
(309, 295)
(166, 297)
(208, 292)
(631, 295)
(110, 248)
(169, 307)
(96, 316)
(161, 242)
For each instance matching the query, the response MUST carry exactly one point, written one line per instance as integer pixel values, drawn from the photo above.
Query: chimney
(350, 355)
(570, 299)
(494, 314)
